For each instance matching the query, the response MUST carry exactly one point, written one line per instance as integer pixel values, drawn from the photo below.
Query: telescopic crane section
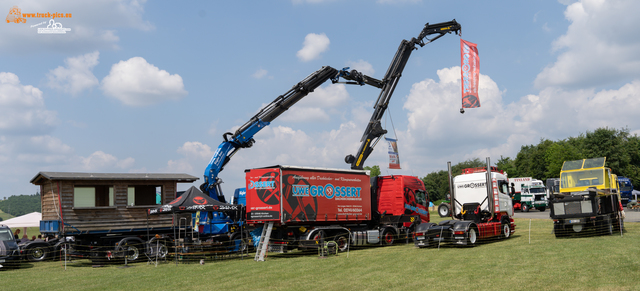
(374, 129)
(243, 137)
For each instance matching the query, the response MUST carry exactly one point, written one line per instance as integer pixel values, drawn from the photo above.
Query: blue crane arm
(243, 137)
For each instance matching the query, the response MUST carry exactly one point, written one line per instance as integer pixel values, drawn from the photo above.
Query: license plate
(458, 237)
(574, 221)
(420, 237)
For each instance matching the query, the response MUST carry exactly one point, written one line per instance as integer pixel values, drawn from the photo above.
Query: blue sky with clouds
(151, 86)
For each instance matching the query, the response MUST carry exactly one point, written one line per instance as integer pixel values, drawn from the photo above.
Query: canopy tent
(194, 200)
(28, 220)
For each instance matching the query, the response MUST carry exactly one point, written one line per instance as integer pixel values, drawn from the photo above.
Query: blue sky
(151, 86)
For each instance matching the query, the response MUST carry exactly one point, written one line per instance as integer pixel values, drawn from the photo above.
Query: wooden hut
(105, 202)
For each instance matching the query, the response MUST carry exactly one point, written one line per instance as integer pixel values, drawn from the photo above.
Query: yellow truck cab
(588, 199)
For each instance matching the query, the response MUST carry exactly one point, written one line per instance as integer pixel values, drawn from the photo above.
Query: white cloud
(101, 161)
(137, 83)
(260, 73)
(313, 46)
(591, 52)
(319, 105)
(77, 74)
(193, 153)
(93, 26)
(22, 109)
(362, 67)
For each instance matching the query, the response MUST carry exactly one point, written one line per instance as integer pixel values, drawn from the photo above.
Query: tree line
(545, 159)
(21, 204)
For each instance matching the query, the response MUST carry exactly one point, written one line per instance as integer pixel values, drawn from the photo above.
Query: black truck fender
(466, 226)
(37, 251)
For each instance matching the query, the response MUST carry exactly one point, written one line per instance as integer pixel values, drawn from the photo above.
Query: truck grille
(572, 207)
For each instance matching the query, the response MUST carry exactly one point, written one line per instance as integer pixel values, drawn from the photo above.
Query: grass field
(523, 262)
(5, 216)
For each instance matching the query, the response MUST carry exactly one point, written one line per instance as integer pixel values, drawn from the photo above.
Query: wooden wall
(118, 217)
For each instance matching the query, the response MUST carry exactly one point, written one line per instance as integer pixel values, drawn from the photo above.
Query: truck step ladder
(263, 245)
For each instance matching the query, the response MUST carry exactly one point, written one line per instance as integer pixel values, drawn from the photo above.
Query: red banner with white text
(470, 70)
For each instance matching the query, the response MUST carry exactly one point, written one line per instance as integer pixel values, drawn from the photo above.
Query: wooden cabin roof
(180, 178)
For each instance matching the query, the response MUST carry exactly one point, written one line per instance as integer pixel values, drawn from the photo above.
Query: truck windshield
(421, 197)
(537, 190)
(582, 178)
(5, 235)
(626, 188)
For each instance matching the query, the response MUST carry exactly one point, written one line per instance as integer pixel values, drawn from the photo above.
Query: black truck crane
(374, 130)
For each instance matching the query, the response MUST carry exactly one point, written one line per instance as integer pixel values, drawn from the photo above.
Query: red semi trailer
(306, 206)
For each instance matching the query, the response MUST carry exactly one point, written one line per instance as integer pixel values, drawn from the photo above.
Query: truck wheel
(443, 210)
(129, 249)
(542, 209)
(37, 253)
(524, 208)
(159, 248)
(388, 237)
(342, 242)
(506, 229)
(244, 244)
(319, 236)
(472, 237)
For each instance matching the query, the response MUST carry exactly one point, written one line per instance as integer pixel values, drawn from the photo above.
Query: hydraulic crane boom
(243, 137)
(374, 130)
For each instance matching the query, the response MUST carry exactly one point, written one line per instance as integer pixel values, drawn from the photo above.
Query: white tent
(28, 220)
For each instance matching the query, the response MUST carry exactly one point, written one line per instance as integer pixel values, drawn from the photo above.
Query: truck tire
(37, 253)
(130, 249)
(524, 208)
(444, 210)
(387, 237)
(542, 209)
(505, 229)
(158, 247)
(244, 243)
(319, 236)
(472, 236)
(342, 242)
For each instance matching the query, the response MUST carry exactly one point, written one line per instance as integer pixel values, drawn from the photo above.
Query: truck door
(416, 203)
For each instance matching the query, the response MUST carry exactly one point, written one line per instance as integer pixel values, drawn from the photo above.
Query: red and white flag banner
(470, 70)
(394, 158)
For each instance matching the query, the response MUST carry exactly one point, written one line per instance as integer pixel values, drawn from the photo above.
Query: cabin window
(92, 196)
(421, 197)
(144, 195)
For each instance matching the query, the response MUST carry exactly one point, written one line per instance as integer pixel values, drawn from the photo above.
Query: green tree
(556, 154)
(21, 204)
(375, 170)
(508, 166)
(437, 183)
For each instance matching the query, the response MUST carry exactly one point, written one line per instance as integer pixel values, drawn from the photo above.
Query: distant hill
(20, 205)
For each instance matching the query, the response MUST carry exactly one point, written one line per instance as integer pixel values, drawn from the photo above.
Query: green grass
(5, 216)
(544, 263)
